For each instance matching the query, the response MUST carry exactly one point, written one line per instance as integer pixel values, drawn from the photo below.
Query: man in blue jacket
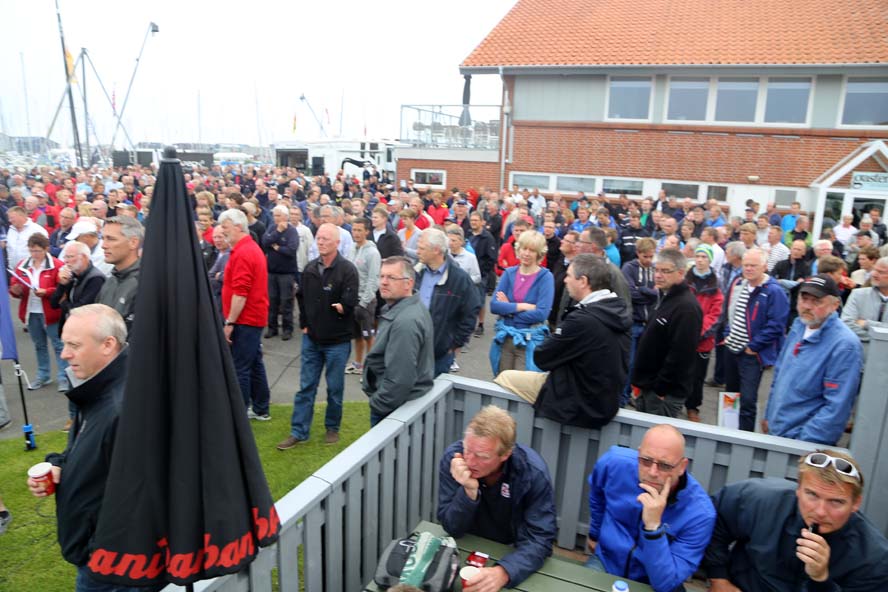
(649, 519)
(756, 308)
(492, 487)
(818, 371)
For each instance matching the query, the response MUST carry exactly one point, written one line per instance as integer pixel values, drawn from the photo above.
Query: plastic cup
(467, 573)
(42, 473)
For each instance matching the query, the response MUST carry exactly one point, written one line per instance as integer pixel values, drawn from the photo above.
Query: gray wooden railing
(336, 522)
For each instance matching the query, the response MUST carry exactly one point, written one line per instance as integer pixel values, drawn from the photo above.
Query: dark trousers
(718, 373)
(442, 364)
(637, 330)
(743, 373)
(700, 366)
(246, 353)
(280, 300)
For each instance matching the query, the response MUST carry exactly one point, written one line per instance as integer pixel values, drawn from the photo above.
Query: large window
(783, 198)
(630, 98)
(866, 102)
(787, 100)
(717, 192)
(618, 186)
(569, 184)
(525, 181)
(688, 98)
(681, 190)
(431, 178)
(736, 99)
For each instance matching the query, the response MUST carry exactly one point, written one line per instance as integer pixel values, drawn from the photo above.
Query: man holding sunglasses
(649, 519)
(775, 535)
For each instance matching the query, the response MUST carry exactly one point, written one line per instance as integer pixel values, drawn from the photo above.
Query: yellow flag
(69, 67)
(294, 124)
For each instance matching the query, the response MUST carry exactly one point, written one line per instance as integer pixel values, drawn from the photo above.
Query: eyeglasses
(662, 271)
(821, 460)
(647, 463)
(391, 278)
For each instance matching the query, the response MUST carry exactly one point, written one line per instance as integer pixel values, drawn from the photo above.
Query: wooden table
(555, 575)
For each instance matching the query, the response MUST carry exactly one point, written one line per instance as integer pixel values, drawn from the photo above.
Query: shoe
(5, 519)
(251, 414)
(287, 336)
(271, 333)
(454, 367)
(38, 384)
(68, 425)
(5, 424)
(261, 416)
(290, 442)
(714, 384)
(479, 331)
(64, 387)
(693, 415)
(354, 368)
(331, 437)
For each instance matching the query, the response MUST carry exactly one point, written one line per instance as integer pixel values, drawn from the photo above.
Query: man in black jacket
(586, 357)
(327, 300)
(95, 342)
(667, 349)
(484, 245)
(281, 243)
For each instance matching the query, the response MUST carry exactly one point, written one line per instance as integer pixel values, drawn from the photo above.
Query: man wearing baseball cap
(817, 371)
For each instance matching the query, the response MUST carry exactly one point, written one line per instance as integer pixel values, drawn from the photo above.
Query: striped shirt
(738, 338)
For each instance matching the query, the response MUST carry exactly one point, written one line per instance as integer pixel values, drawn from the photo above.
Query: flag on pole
(7, 333)
(294, 123)
(69, 66)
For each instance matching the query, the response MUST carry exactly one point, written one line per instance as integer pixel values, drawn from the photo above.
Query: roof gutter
(588, 68)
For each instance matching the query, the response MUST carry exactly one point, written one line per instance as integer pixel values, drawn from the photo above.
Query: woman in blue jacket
(522, 300)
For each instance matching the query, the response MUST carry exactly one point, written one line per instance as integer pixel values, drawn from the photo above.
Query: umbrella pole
(30, 443)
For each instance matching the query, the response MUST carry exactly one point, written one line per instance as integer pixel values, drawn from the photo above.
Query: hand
(765, 427)
(16, 290)
(653, 503)
(40, 292)
(65, 275)
(460, 472)
(227, 331)
(489, 579)
(38, 488)
(722, 585)
(276, 247)
(748, 352)
(338, 308)
(590, 545)
(862, 322)
(524, 306)
(501, 297)
(282, 227)
(813, 550)
(305, 330)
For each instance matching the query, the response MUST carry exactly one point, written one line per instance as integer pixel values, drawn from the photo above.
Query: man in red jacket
(245, 308)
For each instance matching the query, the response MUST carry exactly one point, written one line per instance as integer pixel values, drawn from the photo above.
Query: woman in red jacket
(704, 284)
(33, 281)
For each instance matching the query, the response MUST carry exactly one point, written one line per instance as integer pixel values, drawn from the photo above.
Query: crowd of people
(599, 303)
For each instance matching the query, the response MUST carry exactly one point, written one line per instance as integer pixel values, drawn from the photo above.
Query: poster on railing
(729, 410)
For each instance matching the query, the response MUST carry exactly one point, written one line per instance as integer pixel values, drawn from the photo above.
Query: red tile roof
(692, 32)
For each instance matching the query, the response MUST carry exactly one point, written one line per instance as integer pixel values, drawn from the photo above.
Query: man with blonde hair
(776, 535)
(492, 487)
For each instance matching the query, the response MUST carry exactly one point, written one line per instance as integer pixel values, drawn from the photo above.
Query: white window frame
(607, 98)
(546, 189)
(555, 181)
(697, 183)
(618, 178)
(443, 172)
(760, 104)
(841, 110)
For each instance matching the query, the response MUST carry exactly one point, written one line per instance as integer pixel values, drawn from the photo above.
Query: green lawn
(30, 558)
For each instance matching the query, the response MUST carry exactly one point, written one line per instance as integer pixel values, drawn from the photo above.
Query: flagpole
(27, 429)
(68, 76)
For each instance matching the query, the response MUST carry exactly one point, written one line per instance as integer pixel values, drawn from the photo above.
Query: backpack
(423, 560)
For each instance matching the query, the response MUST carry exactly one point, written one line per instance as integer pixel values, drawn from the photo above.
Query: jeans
(701, 363)
(39, 332)
(718, 373)
(280, 300)
(743, 373)
(246, 353)
(86, 583)
(637, 330)
(314, 358)
(375, 418)
(442, 364)
(595, 564)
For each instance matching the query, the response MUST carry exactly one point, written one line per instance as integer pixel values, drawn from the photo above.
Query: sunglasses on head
(821, 460)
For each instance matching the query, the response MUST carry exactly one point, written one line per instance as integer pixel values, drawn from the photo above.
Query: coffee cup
(42, 473)
(467, 573)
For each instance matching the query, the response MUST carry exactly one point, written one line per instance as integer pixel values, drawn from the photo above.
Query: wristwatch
(229, 323)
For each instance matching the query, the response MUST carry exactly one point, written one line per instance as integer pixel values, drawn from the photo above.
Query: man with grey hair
(281, 245)
(868, 307)
(594, 333)
(122, 244)
(818, 370)
(753, 322)
(328, 214)
(663, 370)
(245, 310)
(80, 282)
(449, 294)
(20, 230)
(594, 241)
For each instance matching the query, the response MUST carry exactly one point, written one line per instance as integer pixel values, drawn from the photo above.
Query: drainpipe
(504, 133)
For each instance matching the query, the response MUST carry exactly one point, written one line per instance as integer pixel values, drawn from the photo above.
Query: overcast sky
(236, 56)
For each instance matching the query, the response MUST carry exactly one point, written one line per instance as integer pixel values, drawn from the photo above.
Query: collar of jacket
(126, 271)
(95, 388)
(421, 269)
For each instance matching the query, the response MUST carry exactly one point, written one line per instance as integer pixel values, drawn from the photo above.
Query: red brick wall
(459, 173)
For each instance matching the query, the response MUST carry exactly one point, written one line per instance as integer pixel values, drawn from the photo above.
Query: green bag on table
(423, 560)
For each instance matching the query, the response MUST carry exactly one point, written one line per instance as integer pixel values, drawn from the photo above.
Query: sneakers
(271, 333)
(5, 519)
(289, 442)
(454, 367)
(287, 336)
(5, 424)
(479, 331)
(64, 387)
(354, 368)
(714, 384)
(331, 437)
(253, 415)
(68, 425)
(38, 384)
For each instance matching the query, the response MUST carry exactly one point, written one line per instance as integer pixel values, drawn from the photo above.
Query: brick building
(730, 99)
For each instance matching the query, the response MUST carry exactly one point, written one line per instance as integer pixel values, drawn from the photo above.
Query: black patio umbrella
(186, 497)
(465, 119)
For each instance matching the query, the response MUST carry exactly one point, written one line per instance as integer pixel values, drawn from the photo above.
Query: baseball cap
(82, 227)
(820, 285)
(462, 202)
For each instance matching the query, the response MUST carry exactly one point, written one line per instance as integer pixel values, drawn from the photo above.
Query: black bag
(423, 560)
